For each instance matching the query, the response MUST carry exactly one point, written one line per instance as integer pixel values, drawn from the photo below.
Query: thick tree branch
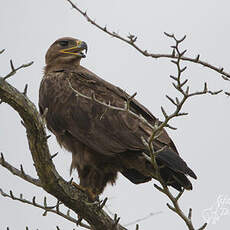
(131, 40)
(50, 180)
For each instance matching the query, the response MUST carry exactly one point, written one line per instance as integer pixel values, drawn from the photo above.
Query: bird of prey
(103, 140)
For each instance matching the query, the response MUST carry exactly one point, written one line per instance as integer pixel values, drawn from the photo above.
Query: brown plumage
(103, 141)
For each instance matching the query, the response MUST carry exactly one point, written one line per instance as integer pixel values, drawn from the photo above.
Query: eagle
(80, 109)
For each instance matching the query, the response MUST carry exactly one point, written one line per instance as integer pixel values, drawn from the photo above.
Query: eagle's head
(66, 50)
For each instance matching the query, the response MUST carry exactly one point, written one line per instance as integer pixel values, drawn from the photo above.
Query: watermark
(220, 208)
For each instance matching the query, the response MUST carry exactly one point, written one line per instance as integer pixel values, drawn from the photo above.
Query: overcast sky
(29, 27)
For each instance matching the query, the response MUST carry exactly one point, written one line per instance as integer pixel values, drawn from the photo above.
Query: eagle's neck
(58, 66)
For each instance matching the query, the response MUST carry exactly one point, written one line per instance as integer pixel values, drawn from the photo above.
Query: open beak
(77, 50)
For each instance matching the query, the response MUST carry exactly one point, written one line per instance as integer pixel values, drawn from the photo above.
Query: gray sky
(29, 27)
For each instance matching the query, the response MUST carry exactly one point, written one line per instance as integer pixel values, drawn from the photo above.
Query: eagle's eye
(64, 43)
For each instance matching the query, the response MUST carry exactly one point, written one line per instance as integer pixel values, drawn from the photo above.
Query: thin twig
(203, 226)
(25, 89)
(131, 40)
(19, 173)
(129, 100)
(178, 85)
(45, 207)
(143, 218)
(102, 203)
(54, 155)
(116, 220)
(2, 51)
(13, 70)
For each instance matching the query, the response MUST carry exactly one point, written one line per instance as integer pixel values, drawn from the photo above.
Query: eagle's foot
(78, 186)
(92, 196)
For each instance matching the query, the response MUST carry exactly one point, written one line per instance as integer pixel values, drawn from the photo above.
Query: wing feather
(105, 130)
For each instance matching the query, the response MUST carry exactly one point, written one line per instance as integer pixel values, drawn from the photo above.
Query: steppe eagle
(102, 141)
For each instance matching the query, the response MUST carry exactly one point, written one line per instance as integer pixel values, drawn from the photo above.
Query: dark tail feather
(134, 176)
(173, 170)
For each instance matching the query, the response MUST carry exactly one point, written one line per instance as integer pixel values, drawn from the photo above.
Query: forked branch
(14, 70)
(179, 85)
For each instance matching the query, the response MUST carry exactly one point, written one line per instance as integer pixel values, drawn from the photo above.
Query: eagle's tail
(173, 170)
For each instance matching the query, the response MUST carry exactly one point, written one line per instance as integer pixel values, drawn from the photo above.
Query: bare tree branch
(178, 85)
(19, 173)
(131, 40)
(158, 128)
(2, 51)
(45, 207)
(13, 70)
(25, 89)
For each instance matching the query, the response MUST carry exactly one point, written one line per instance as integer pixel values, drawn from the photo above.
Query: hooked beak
(77, 50)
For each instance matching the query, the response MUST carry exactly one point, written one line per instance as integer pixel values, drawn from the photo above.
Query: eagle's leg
(91, 183)
(88, 191)
(93, 180)
(93, 169)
